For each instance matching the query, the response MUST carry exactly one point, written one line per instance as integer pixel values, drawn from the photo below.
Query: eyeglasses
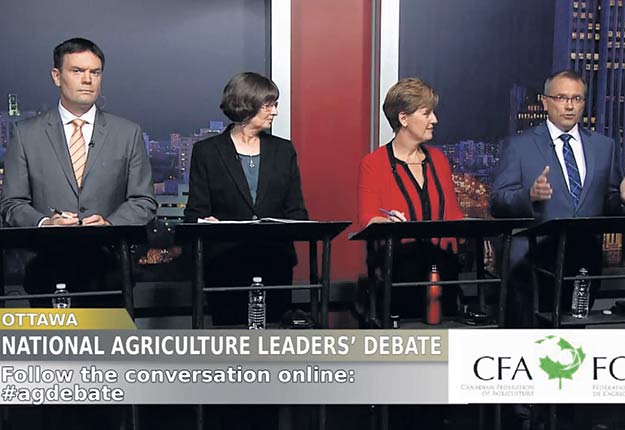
(561, 100)
(269, 106)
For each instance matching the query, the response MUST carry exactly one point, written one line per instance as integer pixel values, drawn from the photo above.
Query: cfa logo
(488, 368)
(561, 359)
(558, 359)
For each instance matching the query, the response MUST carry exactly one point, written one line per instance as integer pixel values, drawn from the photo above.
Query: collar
(67, 116)
(555, 132)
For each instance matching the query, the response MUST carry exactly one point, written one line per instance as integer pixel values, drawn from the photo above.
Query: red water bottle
(433, 296)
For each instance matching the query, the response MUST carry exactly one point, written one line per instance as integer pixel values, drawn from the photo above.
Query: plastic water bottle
(61, 302)
(581, 296)
(394, 321)
(256, 307)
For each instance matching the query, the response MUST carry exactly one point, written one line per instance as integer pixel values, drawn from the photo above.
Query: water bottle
(395, 321)
(256, 307)
(581, 296)
(433, 310)
(61, 302)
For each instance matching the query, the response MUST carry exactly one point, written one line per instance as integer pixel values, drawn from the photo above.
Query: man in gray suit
(76, 165)
(110, 182)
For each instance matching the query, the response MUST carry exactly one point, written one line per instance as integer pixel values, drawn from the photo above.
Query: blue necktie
(575, 183)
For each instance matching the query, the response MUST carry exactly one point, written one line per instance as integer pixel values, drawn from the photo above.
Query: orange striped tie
(77, 151)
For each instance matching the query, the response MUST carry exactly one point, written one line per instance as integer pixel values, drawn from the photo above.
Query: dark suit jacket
(38, 172)
(217, 184)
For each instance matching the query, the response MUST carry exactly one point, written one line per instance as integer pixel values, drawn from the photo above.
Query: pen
(385, 212)
(58, 212)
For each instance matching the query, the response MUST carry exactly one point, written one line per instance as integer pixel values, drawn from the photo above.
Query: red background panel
(330, 115)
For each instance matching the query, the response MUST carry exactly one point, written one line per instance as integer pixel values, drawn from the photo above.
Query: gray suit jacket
(38, 173)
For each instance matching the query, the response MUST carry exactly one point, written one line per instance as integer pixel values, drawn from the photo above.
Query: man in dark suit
(76, 165)
(556, 170)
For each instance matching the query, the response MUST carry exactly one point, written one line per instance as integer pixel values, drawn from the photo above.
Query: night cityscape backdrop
(167, 64)
(489, 60)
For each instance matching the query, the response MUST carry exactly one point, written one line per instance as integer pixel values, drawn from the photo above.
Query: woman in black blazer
(246, 174)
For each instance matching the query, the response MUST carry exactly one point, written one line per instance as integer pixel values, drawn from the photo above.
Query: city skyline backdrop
(166, 62)
(487, 60)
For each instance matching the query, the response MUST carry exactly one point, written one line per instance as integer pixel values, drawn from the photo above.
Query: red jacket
(378, 188)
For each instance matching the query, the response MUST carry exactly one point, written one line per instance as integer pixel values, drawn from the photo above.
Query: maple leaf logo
(561, 359)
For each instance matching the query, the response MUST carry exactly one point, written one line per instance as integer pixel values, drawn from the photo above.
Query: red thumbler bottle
(433, 299)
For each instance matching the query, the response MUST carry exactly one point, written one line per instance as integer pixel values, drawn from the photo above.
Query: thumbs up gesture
(541, 188)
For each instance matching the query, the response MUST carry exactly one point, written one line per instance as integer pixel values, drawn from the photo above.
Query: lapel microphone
(91, 144)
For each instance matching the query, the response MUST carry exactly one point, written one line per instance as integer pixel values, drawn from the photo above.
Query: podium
(561, 229)
(292, 231)
(390, 234)
(38, 238)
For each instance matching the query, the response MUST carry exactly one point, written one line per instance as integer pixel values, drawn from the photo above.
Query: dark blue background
(166, 61)
(472, 52)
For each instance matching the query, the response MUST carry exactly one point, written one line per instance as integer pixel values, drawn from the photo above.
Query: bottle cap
(395, 321)
(434, 268)
(60, 286)
(257, 279)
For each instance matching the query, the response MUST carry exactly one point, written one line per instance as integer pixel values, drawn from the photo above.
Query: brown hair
(71, 46)
(245, 94)
(408, 95)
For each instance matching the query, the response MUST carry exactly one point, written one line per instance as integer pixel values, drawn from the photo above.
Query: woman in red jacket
(411, 181)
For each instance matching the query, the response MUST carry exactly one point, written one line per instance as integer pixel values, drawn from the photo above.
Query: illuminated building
(183, 145)
(14, 109)
(171, 206)
(5, 128)
(7, 119)
(526, 110)
(589, 38)
(11, 116)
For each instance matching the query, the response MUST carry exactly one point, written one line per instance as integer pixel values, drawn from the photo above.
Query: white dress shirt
(576, 146)
(87, 129)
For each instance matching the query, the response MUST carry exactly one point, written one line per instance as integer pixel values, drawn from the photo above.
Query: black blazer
(217, 184)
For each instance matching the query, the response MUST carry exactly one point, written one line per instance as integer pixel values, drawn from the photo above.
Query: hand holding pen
(394, 215)
(59, 218)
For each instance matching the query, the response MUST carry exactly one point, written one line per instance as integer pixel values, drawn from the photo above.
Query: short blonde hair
(408, 95)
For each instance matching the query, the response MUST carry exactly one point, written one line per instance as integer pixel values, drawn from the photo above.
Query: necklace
(413, 163)
(236, 140)
(251, 162)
